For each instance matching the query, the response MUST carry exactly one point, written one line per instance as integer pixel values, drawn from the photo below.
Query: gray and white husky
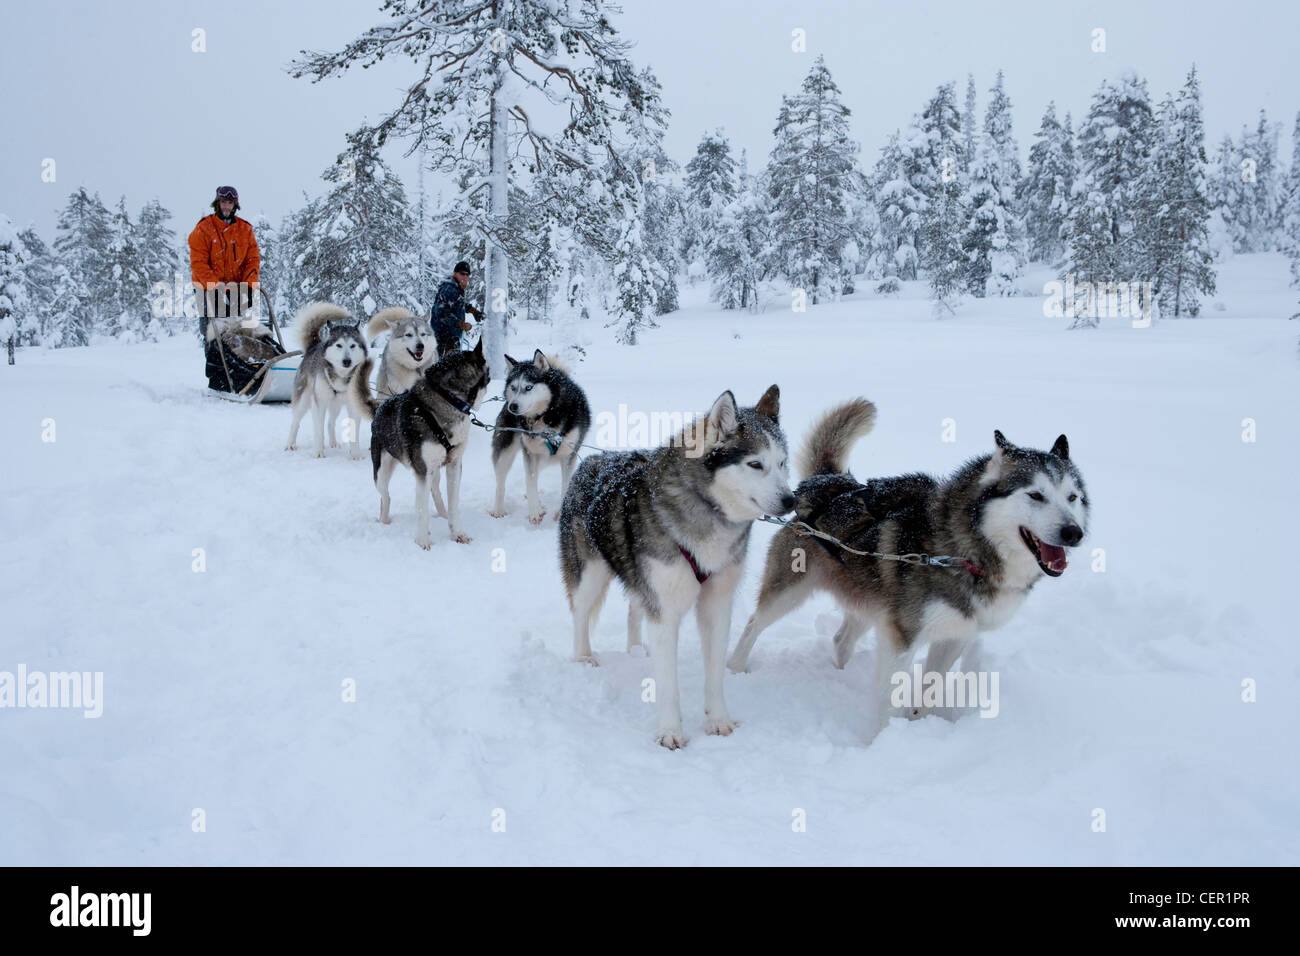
(541, 397)
(672, 524)
(1010, 514)
(333, 351)
(410, 350)
(424, 428)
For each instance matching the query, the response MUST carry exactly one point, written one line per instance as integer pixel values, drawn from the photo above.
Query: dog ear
(325, 332)
(511, 362)
(478, 349)
(1062, 448)
(998, 460)
(723, 415)
(540, 360)
(770, 404)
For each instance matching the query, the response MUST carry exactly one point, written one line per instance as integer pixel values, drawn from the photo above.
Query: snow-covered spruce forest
(1131, 192)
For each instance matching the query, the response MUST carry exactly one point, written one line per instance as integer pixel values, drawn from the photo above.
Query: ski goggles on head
(227, 192)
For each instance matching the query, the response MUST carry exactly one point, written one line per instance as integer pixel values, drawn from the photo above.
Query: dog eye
(1072, 497)
(1037, 496)
(528, 388)
(756, 464)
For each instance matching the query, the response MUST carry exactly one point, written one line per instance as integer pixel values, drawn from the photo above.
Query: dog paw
(460, 537)
(290, 447)
(671, 739)
(587, 659)
(720, 726)
(638, 650)
(424, 541)
(499, 514)
(321, 453)
(334, 443)
(738, 666)
(537, 518)
(355, 455)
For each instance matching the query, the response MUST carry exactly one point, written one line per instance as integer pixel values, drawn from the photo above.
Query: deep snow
(1120, 690)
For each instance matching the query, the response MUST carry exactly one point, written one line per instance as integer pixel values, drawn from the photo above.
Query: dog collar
(454, 401)
(972, 567)
(700, 576)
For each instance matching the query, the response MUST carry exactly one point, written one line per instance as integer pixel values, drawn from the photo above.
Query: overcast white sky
(114, 94)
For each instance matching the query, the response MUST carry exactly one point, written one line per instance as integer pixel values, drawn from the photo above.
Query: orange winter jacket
(223, 252)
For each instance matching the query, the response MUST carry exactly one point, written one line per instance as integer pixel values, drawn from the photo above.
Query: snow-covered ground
(1119, 690)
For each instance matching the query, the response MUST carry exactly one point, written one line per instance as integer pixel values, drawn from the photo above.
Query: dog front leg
(531, 466)
(422, 511)
(713, 614)
(663, 640)
(501, 463)
(318, 423)
(335, 405)
(453, 500)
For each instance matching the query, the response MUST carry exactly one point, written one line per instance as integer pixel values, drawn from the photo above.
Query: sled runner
(251, 365)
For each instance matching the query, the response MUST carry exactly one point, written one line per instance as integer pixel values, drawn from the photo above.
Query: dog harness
(834, 550)
(700, 576)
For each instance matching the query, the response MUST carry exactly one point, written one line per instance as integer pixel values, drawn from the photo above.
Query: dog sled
(249, 364)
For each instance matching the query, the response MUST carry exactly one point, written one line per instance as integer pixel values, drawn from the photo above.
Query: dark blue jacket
(447, 315)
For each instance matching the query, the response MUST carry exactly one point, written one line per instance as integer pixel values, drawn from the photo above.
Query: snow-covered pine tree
(941, 222)
(129, 295)
(1045, 190)
(899, 204)
(362, 236)
(1227, 194)
(969, 124)
(503, 91)
(993, 238)
(13, 288)
(736, 257)
(269, 277)
(636, 276)
(40, 279)
(85, 289)
(812, 179)
(156, 252)
(1115, 145)
(1176, 233)
(1260, 190)
(710, 186)
(1290, 238)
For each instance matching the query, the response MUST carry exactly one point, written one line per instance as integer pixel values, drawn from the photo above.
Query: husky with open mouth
(411, 349)
(1009, 515)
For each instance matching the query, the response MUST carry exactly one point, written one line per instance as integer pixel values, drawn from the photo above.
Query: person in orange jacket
(223, 251)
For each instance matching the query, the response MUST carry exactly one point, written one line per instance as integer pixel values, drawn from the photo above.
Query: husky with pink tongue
(1005, 519)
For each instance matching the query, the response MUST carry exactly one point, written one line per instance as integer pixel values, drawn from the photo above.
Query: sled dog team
(672, 524)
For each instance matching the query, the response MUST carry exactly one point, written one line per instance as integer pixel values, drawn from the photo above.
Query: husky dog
(672, 525)
(1010, 516)
(540, 397)
(411, 349)
(424, 428)
(333, 350)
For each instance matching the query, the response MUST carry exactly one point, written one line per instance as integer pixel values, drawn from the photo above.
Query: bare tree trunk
(11, 350)
(497, 267)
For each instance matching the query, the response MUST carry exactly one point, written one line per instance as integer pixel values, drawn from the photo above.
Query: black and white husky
(672, 524)
(424, 428)
(542, 398)
(410, 350)
(333, 351)
(1010, 515)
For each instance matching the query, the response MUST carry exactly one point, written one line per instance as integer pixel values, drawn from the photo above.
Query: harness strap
(434, 427)
(700, 576)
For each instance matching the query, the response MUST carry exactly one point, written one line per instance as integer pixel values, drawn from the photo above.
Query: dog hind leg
(501, 464)
(777, 598)
(593, 582)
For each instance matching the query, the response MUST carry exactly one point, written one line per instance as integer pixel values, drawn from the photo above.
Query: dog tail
(826, 450)
(386, 319)
(311, 318)
(360, 402)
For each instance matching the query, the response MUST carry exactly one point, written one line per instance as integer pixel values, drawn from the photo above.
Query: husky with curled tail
(540, 397)
(333, 352)
(1009, 516)
(672, 524)
(424, 428)
(410, 350)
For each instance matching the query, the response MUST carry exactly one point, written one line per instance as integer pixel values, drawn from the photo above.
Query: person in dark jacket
(449, 307)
